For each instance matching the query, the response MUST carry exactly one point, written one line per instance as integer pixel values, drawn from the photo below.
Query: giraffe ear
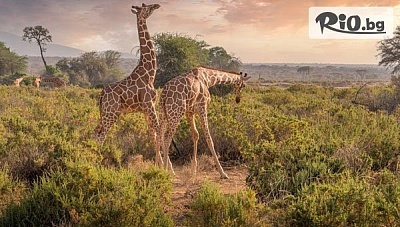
(245, 77)
(134, 9)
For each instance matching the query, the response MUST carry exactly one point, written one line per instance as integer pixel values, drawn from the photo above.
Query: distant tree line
(91, 68)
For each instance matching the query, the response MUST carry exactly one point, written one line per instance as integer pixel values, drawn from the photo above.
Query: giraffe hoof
(224, 176)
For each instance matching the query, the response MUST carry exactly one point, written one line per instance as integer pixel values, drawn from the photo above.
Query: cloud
(251, 29)
(272, 14)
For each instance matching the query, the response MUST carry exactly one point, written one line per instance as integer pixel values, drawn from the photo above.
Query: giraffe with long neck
(135, 93)
(188, 94)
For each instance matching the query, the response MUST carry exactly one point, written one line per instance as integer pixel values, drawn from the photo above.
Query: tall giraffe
(135, 93)
(188, 94)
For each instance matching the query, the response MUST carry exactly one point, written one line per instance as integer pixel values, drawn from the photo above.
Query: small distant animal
(57, 82)
(18, 81)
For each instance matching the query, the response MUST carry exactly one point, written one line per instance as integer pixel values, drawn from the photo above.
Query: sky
(255, 31)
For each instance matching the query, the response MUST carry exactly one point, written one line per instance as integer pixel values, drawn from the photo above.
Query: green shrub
(87, 195)
(388, 185)
(348, 201)
(11, 191)
(211, 208)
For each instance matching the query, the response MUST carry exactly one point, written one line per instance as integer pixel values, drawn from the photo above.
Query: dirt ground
(185, 184)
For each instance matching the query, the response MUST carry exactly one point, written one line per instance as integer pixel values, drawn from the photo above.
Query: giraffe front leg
(153, 128)
(210, 143)
(195, 137)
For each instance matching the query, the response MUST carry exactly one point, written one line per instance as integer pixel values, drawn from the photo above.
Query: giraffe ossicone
(188, 95)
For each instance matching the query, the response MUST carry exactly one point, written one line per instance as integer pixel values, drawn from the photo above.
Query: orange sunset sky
(262, 31)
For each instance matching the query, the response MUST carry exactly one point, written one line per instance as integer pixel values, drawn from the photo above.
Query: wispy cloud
(254, 30)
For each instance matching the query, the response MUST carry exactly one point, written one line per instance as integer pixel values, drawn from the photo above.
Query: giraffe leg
(169, 133)
(195, 137)
(210, 143)
(105, 124)
(153, 127)
(161, 139)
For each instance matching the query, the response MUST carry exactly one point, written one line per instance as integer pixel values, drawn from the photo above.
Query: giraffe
(57, 82)
(188, 94)
(135, 93)
(36, 83)
(18, 81)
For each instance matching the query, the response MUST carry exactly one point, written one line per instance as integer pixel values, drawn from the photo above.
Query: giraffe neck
(213, 76)
(147, 52)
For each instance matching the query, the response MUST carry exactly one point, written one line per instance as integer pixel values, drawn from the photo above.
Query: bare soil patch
(185, 185)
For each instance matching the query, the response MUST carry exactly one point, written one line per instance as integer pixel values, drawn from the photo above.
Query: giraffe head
(239, 85)
(144, 11)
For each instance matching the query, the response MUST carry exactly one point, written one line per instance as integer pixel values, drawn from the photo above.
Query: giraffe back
(57, 82)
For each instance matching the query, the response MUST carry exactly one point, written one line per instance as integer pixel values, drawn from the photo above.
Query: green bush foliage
(10, 62)
(211, 208)
(349, 201)
(304, 146)
(88, 195)
(11, 191)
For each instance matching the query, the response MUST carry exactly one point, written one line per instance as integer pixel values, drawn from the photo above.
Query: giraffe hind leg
(161, 139)
(195, 137)
(167, 139)
(210, 143)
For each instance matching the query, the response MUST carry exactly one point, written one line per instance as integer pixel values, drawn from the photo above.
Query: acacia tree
(41, 36)
(112, 58)
(219, 58)
(389, 52)
(177, 54)
(304, 71)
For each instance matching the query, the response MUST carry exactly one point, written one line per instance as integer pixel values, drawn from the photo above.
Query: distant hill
(23, 48)
(20, 47)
